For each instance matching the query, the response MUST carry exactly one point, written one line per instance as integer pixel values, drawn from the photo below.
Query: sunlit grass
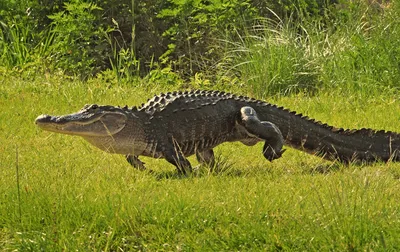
(75, 197)
(59, 193)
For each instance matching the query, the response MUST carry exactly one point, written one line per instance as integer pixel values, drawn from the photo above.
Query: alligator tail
(345, 145)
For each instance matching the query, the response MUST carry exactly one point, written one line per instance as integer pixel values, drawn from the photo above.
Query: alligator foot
(181, 163)
(271, 153)
(135, 162)
(206, 157)
(263, 130)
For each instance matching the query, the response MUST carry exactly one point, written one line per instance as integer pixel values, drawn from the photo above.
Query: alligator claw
(271, 154)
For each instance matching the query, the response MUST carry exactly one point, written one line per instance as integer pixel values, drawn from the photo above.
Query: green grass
(75, 197)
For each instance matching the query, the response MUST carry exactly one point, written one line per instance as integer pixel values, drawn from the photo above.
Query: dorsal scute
(186, 100)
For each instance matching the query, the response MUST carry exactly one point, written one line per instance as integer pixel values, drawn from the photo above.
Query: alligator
(178, 124)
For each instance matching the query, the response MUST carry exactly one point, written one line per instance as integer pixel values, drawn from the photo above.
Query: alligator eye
(94, 106)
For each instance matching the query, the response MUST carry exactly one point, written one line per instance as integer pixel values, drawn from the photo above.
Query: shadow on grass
(325, 168)
(395, 172)
(336, 166)
(222, 167)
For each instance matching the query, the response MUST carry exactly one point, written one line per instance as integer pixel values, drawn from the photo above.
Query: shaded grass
(75, 197)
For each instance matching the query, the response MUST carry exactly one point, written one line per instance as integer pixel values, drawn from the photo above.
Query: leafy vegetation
(337, 61)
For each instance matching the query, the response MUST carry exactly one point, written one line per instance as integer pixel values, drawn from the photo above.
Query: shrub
(194, 26)
(77, 38)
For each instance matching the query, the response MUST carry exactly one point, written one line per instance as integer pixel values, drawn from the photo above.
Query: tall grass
(358, 51)
(275, 60)
(14, 45)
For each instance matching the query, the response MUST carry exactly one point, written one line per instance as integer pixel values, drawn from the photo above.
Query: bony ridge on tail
(178, 124)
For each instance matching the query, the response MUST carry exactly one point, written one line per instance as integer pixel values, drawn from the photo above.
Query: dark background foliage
(84, 37)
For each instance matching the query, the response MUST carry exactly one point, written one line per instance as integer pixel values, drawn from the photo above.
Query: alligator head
(90, 121)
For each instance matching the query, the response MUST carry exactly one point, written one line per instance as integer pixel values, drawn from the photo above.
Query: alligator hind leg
(181, 163)
(135, 162)
(263, 130)
(206, 157)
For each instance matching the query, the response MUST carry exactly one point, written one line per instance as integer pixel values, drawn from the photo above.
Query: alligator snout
(43, 119)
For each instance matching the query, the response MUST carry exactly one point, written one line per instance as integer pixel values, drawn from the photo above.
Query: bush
(89, 36)
(195, 26)
(77, 38)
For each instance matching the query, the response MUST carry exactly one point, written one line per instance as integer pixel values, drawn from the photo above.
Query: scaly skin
(179, 124)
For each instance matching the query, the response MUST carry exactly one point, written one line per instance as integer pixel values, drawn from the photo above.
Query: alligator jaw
(76, 124)
(76, 118)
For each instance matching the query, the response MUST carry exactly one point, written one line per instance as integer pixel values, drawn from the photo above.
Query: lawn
(58, 193)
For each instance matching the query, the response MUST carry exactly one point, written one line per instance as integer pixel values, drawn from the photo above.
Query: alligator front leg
(263, 130)
(206, 157)
(135, 162)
